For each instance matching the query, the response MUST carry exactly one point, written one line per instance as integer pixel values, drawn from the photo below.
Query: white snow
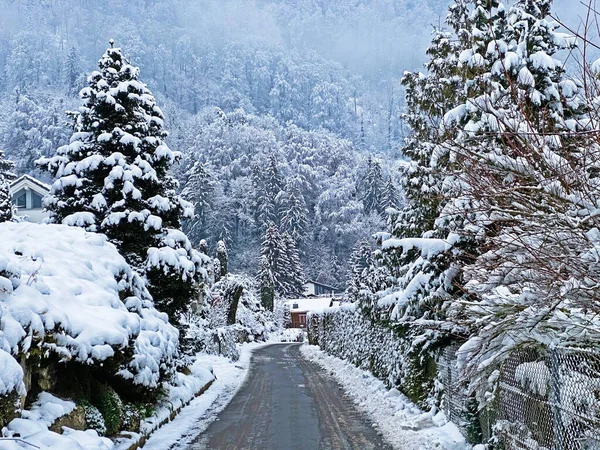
(309, 304)
(32, 427)
(47, 408)
(11, 373)
(534, 376)
(62, 292)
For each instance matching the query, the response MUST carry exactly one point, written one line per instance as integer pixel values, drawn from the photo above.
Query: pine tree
(291, 269)
(198, 190)
(6, 176)
(390, 195)
(280, 263)
(73, 73)
(531, 171)
(266, 284)
(360, 260)
(371, 189)
(268, 186)
(222, 257)
(114, 178)
(273, 252)
(294, 214)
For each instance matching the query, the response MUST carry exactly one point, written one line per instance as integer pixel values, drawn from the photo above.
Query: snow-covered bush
(93, 418)
(232, 313)
(68, 294)
(349, 334)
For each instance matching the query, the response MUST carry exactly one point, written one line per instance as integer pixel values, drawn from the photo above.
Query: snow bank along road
(289, 403)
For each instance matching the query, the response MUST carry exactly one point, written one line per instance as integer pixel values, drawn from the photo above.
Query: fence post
(556, 401)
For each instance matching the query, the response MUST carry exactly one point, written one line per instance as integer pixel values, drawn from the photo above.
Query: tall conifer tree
(114, 178)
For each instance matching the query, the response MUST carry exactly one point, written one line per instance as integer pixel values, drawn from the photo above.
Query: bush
(110, 405)
(132, 416)
(381, 349)
(93, 418)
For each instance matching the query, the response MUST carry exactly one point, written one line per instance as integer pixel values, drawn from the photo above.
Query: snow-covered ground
(400, 422)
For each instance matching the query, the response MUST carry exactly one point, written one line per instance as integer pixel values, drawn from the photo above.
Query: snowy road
(289, 403)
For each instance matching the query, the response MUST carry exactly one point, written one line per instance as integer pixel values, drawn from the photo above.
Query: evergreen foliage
(114, 178)
(372, 187)
(199, 190)
(222, 257)
(280, 270)
(6, 176)
(361, 259)
(267, 284)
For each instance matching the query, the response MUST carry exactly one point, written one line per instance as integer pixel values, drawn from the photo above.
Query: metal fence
(546, 399)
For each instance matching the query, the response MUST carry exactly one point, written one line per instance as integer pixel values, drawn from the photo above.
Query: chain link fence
(546, 400)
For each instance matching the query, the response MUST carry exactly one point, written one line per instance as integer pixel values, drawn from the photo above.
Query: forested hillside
(316, 85)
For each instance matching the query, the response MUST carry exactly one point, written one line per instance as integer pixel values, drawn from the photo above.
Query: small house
(313, 288)
(27, 193)
(300, 307)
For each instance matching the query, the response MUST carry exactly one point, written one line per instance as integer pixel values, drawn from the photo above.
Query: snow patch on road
(400, 422)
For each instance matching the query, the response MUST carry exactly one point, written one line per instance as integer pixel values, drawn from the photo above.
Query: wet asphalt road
(289, 403)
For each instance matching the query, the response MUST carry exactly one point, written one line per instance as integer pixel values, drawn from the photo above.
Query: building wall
(298, 320)
(32, 215)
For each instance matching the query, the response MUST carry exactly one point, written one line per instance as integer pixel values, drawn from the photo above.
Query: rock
(419, 423)
(74, 420)
(9, 404)
(393, 393)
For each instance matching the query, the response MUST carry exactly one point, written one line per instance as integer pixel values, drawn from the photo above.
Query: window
(36, 200)
(20, 199)
(295, 305)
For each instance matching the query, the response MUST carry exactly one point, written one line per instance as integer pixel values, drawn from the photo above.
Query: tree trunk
(237, 293)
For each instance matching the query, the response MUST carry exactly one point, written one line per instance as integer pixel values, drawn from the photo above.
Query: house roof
(29, 181)
(309, 304)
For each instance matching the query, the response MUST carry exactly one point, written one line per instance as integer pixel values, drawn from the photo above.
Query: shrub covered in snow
(232, 313)
(67, 293)
(349, 334)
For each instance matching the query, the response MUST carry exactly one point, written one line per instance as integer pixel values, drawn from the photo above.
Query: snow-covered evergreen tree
(222, 257)
(292, 273)
(74, 77)
(114, 178)
(360, 260)
(198, 190)
(531, 172)
(294, 214)
(33, 129)
(371, 189)
(6, 176)
(280, 264)
(266, 284)
(268, 185)
(390, 195)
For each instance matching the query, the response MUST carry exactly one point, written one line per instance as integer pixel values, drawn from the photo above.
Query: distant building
(26, 193)
(313, 289)
(300, 307)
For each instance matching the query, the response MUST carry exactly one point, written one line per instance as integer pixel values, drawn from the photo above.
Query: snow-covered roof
(71, 293)
(309, 304)
(30, 182)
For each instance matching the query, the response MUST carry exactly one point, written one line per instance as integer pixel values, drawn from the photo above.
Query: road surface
(289, 403)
